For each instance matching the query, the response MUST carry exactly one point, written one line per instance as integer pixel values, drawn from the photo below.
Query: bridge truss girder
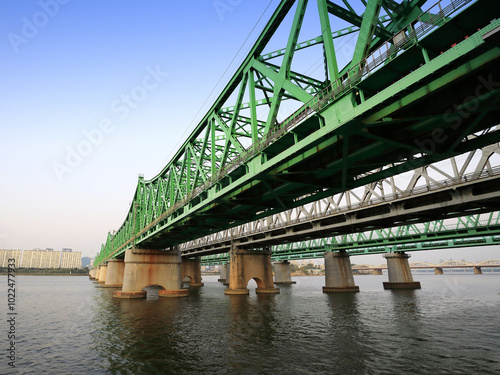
(239, 167)
(467, 231)
(451, 188)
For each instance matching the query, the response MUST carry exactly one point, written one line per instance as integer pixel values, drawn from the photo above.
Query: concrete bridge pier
(250, 264)
(282, 273)
(96, 275)
(438, 271)
(399, 272)
(102, 273)
(338, 273)
(192, 268)
(92, 274)
(114, 273)
(224, 271)
(477, 270)
(151, 267)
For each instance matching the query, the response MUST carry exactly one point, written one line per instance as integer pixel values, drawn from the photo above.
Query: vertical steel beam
(211, 123)
(329, 50)
(284, 71)
(253, 107)
(367, 30)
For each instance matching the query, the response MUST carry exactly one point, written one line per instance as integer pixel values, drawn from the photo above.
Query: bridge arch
(246, 265)
(492, 262)
(257, 281)
(191, 271)
(152, 290)
(454, 263)
(147, 267)
(422, 265)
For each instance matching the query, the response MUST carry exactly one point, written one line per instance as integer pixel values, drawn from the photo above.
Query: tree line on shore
(46, 271)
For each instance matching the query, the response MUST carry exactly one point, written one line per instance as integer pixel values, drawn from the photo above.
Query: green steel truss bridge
(466, 231)
(421, 86)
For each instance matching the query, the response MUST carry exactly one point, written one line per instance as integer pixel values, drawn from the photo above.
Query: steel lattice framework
(466, 231)
(419, 87)
(331, 215)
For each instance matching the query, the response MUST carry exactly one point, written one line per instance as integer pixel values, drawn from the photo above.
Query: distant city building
(70, 259)
(39, 258)
(209, 268)
(5, 255)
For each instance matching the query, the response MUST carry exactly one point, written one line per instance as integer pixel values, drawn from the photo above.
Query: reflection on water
(451, 325)
(347, 333)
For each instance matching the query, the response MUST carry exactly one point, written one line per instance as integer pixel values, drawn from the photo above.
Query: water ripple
(451, 325)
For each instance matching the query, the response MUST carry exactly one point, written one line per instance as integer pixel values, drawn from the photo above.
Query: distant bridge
(438, 268)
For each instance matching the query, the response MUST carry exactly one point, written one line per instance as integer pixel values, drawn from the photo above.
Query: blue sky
(119, 84)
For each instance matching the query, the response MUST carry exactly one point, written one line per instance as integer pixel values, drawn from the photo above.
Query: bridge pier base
(151, 267)
(223, 273)
(477, 270)
(438, 271)
(399, 272)
(102, 274)
(96, 275)
(338, 273)
(92, 274)
(250, 264)
(114, 273)
(282, 273)
(192, 268)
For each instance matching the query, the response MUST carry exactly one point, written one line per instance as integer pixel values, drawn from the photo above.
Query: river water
(67, 326)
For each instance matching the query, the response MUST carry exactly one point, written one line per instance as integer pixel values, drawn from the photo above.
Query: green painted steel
(467, 231)
(426, 93)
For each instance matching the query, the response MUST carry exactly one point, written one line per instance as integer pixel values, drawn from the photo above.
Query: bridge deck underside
(474, 198)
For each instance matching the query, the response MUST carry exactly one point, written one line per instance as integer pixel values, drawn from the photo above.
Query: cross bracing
(465, 231)
(240, 165)
(469, 183)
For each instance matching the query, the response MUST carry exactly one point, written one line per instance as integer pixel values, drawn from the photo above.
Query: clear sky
(94, 93)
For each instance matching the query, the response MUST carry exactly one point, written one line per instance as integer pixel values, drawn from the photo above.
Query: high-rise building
(38, 258)
(7, 254)
(69, 259)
